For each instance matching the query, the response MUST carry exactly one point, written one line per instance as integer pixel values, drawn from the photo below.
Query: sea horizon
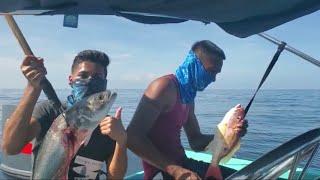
(276, 115)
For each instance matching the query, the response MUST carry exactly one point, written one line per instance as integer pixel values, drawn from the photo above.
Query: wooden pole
(45, 84)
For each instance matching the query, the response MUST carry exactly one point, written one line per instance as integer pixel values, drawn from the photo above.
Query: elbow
(9, 146)
(195, 148)
(7, 149)
(195, 144)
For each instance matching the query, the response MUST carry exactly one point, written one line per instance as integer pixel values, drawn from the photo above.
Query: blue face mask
(192, 77)
(85, 87)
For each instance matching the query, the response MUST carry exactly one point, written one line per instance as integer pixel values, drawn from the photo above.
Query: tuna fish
(66, 134)
(226, 140)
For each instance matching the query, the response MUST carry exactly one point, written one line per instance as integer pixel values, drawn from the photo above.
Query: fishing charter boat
(271, 165)
(240, 18)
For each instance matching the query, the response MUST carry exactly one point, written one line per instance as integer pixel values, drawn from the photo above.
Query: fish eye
(100, 97)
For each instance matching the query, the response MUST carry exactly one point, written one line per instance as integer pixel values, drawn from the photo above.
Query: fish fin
(225, 159)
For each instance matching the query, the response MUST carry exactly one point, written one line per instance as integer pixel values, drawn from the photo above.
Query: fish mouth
(113, 96)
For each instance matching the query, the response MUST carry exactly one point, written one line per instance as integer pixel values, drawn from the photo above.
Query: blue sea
(275, 117)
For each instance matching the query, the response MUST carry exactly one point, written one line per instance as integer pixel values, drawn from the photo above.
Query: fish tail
(214, 172)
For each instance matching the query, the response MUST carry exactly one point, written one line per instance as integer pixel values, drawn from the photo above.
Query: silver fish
(67, 133)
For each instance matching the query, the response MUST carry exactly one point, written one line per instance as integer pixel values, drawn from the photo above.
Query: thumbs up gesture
(112, 127)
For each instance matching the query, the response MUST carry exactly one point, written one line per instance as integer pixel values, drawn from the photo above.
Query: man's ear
(70, 79)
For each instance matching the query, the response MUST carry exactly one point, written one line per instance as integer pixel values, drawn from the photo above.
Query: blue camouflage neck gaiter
(192, 77)
(85, 87)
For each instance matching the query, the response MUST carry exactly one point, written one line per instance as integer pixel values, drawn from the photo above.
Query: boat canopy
(241, 18)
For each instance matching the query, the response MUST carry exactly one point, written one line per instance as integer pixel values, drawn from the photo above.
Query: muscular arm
(197, 140)
(156, 99)
(21, 128)
(117, 166)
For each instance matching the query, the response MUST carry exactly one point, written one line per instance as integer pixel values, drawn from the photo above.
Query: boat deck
(233, 163)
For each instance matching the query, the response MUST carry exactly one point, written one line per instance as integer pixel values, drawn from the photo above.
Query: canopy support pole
(291, 49)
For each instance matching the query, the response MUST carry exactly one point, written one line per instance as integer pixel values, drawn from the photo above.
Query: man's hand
(241, 127)
(180, 173)
(244, 127)
(33, 69)
(112, 127)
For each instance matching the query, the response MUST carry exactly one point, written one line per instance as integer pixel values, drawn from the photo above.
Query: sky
(140, 53)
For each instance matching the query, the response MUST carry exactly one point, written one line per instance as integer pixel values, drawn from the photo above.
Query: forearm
(201, 142)
(143, 147)
(17, 127)
(118, 165)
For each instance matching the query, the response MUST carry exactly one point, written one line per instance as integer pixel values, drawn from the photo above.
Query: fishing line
(267, 72)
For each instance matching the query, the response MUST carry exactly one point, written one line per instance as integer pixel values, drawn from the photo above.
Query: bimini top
(241, 18)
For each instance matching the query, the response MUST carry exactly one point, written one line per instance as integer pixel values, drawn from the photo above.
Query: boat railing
(287, 156)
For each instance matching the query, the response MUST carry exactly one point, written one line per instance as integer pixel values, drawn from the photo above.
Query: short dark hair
(206, 47)
(94, 56)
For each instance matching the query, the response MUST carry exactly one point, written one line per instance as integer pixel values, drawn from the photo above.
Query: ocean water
(275, 117)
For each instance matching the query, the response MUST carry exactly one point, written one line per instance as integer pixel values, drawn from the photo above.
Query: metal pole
(291, 49)
(293, 168)
(309, 161)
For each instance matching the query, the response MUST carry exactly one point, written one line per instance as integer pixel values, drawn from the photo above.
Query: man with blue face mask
(166, 107)
(108, 141)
